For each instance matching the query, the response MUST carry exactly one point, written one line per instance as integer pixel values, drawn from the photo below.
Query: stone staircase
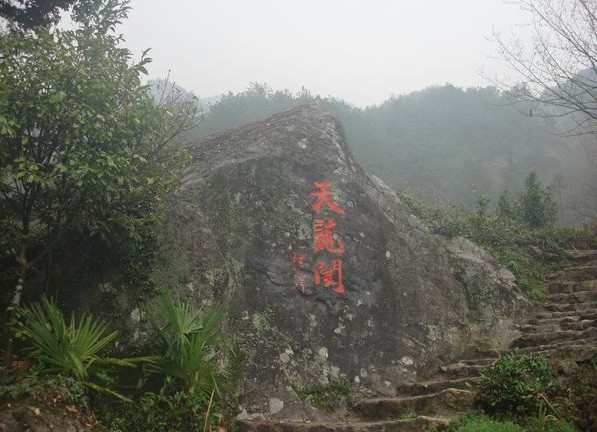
(563, 327)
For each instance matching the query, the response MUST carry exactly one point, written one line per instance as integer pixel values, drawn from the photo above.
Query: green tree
(535, 205)
(29, 14)
(85, 154)
(504, 206)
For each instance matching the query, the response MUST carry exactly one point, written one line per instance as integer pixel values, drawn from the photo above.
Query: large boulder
(327, 276)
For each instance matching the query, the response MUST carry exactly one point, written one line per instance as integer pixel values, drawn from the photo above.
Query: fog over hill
(445, 145)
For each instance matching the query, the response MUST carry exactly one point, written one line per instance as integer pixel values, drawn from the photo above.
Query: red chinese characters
(323, 197)
(329, 246)
(298, 262)
(325, 238)
(331, 276)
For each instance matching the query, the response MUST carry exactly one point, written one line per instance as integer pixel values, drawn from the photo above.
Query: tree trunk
(14, 304)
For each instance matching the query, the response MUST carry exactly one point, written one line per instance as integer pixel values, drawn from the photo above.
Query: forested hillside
(444, 144)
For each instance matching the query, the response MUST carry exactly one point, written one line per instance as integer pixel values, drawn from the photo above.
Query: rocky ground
(563, 327)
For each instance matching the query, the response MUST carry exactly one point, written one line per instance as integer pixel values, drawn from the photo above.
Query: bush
(49, 389)
(167, 410)
(481, 423)
(186, 343)
(514, 382)
(66, 348)
(536, 206)
(514, 245)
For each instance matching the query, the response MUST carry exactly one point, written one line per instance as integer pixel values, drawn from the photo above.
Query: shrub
(187, 341)
(535, 205)
(481, 423)
(529, 253)
(71, 349)
(513, 383)
(66, 348)
(187, 345)
(167, 410)
(33, 385)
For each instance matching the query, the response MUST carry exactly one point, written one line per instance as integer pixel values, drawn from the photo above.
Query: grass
(530, 254)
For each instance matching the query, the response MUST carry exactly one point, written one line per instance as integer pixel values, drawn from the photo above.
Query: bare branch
(559, 68)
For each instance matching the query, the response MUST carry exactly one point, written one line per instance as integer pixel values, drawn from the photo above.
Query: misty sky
(357, 50)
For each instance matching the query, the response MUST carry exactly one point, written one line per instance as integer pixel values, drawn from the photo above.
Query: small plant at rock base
(71, 348)
(187, 342)
(171, 409)
(482, 423)
(32, 384)
(512, 383)
(68, 348)
(549, 418)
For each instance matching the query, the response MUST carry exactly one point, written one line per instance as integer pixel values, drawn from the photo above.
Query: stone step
(569, 307)
(572, 317)
(557, 324)
(556, 348)
(580, 314)
(559, 286)
(582, 254)
(425, 387)
(416, 424)
(535, 339)
(460, 370)
(574, 297)
(578, 352)
(446, 402)
(576, 273)
(480, 361)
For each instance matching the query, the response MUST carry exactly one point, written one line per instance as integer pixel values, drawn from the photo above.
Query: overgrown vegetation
(535, 206)
(518, 394)
(188, 388)
(87, 156)
(482, 423)
(520, 233)
(186, 339)
(512, 384)
(187, 349)
(524, 388)
(85, 153)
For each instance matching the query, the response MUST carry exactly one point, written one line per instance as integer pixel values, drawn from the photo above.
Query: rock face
(327, 276)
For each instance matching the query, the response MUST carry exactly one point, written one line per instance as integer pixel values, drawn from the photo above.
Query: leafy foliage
(66, 348)
(514, 382)
(28, 14)
(85, 156)
(186, 339)
(187, 345)
(164, 411)
(514, 245)
(39, 386)
(71, 349)
(535, 205)
(481, 423)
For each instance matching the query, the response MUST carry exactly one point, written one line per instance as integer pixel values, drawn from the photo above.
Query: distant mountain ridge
(442, 144)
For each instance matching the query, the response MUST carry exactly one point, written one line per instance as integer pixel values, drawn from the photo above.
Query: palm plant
(187, 340)
(72, 348)
(67, 348)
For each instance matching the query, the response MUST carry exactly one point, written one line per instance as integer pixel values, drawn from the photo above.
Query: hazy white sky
(362, 51)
